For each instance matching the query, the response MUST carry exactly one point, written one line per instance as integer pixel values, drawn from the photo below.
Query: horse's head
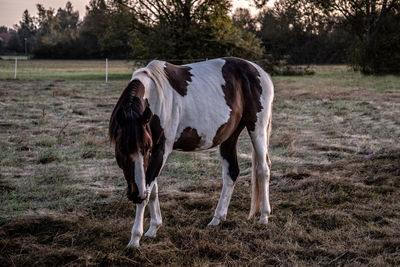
(130, 131)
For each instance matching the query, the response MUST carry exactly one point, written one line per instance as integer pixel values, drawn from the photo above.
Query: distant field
(67, 69)
(335, 182)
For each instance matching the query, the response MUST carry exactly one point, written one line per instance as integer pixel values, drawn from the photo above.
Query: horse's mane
(126, 128)
(155, 70)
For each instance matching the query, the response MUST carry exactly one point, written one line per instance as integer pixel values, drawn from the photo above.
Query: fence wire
(78, 69)
(68, 69)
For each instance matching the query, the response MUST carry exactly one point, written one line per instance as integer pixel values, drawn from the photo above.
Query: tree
(26, 27)
(111, 29)
(164, 29)
(122, 37)
(3, 29)
(298, 32)
(14, 44)
(369, 24)
(93, 27)
(58, 33)
(26, 30)
(243, 19)
(193, 29)
(372, 21)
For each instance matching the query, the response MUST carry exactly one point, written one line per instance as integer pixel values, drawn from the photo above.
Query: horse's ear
(120, 117)
(146, 115)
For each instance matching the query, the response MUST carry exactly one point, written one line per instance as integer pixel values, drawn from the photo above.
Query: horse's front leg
(230, 171)
(155, 213)
(137, 229)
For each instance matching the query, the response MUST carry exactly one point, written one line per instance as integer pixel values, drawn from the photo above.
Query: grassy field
(81, 70)
(334, 185)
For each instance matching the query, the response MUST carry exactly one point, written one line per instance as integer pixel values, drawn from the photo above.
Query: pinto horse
(192, 107)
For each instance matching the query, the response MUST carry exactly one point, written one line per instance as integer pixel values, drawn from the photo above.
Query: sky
(11, 10)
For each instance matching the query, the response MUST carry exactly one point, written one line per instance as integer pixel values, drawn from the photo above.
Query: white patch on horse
(204, 106)
(140, 176)
(225, 197)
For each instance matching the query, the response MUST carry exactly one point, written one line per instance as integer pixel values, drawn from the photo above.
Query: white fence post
(16, 66)
(106, 69)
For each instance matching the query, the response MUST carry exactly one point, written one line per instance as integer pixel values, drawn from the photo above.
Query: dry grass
(334, 186)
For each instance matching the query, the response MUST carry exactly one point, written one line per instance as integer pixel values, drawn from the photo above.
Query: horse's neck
(162, 102)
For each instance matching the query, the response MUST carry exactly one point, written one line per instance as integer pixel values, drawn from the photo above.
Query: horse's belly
(197, 135)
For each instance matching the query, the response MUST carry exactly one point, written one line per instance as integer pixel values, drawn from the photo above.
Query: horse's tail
(255, 181)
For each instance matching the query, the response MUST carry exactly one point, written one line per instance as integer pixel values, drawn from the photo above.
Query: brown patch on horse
(229, 153)
(235, 102)
(178, 77)
(157, 153)
(240, 75)
(189, 140)
(234, 89)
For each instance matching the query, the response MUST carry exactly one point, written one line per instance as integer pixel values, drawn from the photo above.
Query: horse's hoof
(263, 221)
(133, 245)
(151, 233)
(214, 222)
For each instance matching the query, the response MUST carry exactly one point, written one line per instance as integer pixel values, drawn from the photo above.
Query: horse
(192, 107)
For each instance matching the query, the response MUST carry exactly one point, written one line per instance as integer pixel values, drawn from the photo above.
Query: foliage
(298, 32)
(25, 31)
(362, 33)
(110, 30)
(142, 29)
(93, 27)
(3, 29)
(374, 24)
(243, 19)
(193, 29)
(58, 32)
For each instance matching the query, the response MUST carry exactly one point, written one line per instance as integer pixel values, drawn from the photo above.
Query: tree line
(362, 33)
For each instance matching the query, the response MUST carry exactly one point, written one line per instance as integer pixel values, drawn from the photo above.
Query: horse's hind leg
(261, 173)
(230, 171)
(155, 213)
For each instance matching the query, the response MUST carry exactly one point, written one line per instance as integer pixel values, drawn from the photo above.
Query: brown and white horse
(192, 107)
